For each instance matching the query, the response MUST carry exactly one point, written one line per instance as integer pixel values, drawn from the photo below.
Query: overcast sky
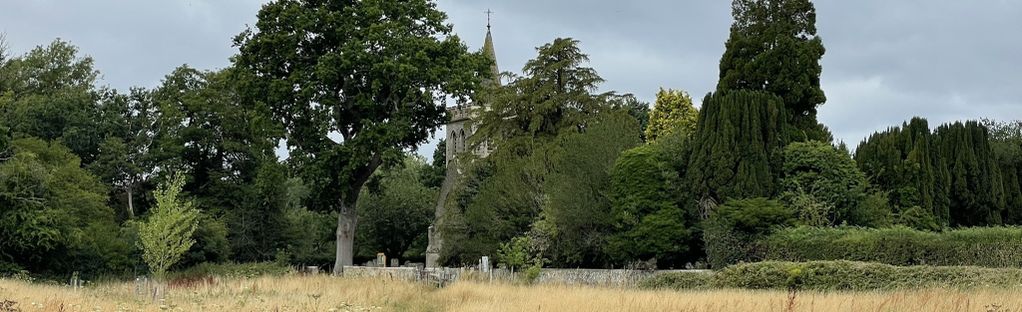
(886, 61)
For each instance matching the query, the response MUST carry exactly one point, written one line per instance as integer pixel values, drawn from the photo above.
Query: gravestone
(484, 264)
(395, 262)
(381, 260)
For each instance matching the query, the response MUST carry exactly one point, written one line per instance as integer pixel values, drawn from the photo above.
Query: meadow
(325, 293)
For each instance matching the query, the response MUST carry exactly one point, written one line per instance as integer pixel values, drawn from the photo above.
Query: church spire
(489, 52)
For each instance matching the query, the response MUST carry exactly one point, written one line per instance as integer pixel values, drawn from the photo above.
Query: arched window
(462, 140)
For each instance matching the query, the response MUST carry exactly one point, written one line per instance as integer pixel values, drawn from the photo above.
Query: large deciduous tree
(49, 93)
(354, 83)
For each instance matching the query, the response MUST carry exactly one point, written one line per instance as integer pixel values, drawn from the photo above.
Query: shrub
(231, 270)
(678, 281)
(985, 247)
(860, 276)
(731, 228)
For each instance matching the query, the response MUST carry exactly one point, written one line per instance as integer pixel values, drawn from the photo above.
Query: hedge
(839, 275)
(995, 247)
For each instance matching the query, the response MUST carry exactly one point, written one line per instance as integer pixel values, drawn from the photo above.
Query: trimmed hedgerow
(986, 247)
(679, 281)
(840, 275)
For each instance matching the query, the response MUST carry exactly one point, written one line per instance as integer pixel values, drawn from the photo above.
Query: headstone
(484, 264)
(312, 270)
(381, 260)
(395, 262)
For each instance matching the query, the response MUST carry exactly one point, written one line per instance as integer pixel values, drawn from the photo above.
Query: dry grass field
(322, 293)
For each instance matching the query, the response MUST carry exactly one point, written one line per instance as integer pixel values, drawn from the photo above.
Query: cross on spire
(488, 14)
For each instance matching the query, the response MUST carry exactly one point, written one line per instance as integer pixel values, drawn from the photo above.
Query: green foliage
(54, 216)
(516, 254)
(821, 177)
(904, 161)
(735, 151)
(647, 223)
(988, 247)
(166, 235)
(637, 109)
(679, 281)
(433, 174)
(529, 119)
(230, 270)
(673, 111)
(49, 93)
(212, 244)
(395, 212)
(860, 276)
(952, 173)
(774, 47)
(1006, 144)
(257, 226)
(732, 229)
(975, 189)
(378, 74)
(577, 189)
(555, 95)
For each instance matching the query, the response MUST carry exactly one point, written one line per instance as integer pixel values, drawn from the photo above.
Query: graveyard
(529, 155)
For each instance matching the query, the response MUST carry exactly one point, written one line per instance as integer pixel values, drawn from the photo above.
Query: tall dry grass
(322, 293)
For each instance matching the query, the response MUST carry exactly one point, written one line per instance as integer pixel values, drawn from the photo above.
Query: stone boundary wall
(442, 276)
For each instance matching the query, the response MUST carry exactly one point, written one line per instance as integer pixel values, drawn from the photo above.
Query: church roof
(490, 53)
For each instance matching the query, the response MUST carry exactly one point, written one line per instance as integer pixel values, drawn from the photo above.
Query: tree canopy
(377, 73)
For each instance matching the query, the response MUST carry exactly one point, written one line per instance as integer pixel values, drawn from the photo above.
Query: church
(459, 129)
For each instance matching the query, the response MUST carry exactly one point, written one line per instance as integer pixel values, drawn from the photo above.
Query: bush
(860, 276)
(679, 281)
(985, 247)
(729, 230)
(231, 270)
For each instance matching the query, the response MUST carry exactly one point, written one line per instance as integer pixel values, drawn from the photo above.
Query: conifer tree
(735, 149)
(673, 111)
(774, 47)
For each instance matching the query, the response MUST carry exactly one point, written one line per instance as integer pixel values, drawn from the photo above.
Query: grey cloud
(886, 61)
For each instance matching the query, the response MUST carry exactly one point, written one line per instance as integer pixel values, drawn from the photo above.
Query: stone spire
(489, 51)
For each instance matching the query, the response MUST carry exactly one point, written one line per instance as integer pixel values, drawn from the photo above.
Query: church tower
(458, 130)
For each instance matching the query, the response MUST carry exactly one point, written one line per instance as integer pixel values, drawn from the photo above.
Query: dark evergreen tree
(774, 47)
(976, 191)
(735, 151)
(1006, 142)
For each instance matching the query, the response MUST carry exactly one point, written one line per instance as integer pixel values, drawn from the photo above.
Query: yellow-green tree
(673, 111)
(167, 234)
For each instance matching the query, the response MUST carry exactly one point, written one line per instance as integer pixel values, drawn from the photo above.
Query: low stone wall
(598, 277)
(402, 273)
(442, 276)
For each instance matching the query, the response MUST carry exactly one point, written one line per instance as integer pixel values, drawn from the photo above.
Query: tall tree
(578, 201)
(1006, 142)
(53, 214)
(735, 151)
(125, 161)
(210, 129)
(556, 94)
(774, 47)
(49, 93)
(673, 111)
(503, 195)
(375, 73)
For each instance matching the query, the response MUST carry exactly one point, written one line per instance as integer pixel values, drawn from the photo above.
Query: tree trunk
(131, 204)
(346, 220)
